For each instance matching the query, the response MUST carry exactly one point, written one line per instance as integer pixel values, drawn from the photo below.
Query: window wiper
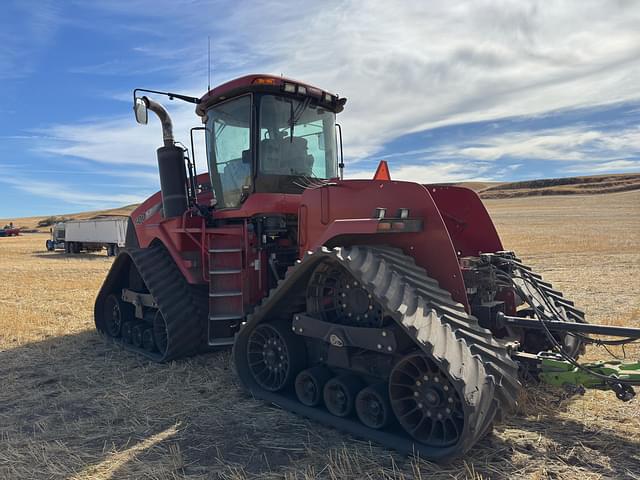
(295, 115)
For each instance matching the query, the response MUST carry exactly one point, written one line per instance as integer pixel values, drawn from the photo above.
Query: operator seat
(286, 156)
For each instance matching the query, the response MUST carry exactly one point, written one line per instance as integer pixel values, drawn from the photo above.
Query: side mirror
(140, 109)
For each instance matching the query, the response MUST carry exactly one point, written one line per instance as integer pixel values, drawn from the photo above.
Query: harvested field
(74, 406)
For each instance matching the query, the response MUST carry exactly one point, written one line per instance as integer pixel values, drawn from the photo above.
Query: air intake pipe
(173, 175)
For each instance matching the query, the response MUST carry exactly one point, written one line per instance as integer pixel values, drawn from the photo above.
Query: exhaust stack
(171, 168)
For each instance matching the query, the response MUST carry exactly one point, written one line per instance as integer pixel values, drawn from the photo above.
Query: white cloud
(405, 67)
(603, 167)
(437, 172)
(410, 66)
(70, 195)
(585, 144)
(120, 141)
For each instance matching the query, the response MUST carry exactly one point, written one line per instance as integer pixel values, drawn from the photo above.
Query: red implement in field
(9, 231)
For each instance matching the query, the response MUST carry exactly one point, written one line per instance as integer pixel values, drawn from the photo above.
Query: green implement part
(554, 370)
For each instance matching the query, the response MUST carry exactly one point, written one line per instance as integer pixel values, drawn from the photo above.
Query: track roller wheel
(160, 332)
(275, 355)
(116, 312)
(148, 342)
(310, 384)
(126, 332)
(136, 335)
(426, 402)
(373, 407)
(340, 394)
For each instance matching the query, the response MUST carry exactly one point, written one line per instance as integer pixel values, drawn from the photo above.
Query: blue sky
(445, 91)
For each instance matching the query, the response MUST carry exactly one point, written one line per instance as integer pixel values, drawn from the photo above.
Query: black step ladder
(226, 285)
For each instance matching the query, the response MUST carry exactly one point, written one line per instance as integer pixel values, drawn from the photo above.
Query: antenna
(209, 63)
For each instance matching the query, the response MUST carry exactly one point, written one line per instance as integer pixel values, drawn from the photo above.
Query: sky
(444, 91)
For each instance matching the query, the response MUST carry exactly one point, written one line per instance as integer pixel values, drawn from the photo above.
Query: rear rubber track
(479, 365)
(182, 305)
(522, 276)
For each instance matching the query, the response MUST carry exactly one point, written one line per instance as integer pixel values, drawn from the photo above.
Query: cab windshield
(297, 138)
(293, 140)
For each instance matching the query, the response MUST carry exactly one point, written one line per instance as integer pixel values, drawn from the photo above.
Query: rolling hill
(586, 185)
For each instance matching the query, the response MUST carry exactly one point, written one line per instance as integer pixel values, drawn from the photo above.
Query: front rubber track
(182, 305)
(477, 364)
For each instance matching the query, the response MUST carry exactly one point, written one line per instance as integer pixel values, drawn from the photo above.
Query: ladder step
(225, 250)
(230, 271)
(226, 294)
(221, 342)
(220, 318)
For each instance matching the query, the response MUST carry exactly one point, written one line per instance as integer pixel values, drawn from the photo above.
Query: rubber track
(478, 365)
(563, 305)
(179, 302)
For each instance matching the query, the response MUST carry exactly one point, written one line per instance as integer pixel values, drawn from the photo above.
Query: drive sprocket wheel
(275, 356)
(336, 296)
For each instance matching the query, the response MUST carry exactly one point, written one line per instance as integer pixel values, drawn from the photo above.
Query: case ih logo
(149, 213)
(336, 341)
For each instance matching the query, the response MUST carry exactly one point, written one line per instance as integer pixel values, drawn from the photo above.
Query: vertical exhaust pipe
(171, 168)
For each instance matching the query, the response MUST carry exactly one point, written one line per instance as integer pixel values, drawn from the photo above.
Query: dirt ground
(73, 405)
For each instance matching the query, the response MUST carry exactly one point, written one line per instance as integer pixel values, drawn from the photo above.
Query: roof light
(328, 97)
(302, 90)
(379, 213)
(403, 213)
(289, 88)
(264, 81)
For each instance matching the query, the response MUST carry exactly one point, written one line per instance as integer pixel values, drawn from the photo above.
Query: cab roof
(265, 83)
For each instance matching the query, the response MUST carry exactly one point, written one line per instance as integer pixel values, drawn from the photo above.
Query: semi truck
(76, 236)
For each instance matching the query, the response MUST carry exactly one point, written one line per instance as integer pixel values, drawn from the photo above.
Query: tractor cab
(270, 135)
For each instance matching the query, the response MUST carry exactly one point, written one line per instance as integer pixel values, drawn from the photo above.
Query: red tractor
(387, 309)
(9, 231)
